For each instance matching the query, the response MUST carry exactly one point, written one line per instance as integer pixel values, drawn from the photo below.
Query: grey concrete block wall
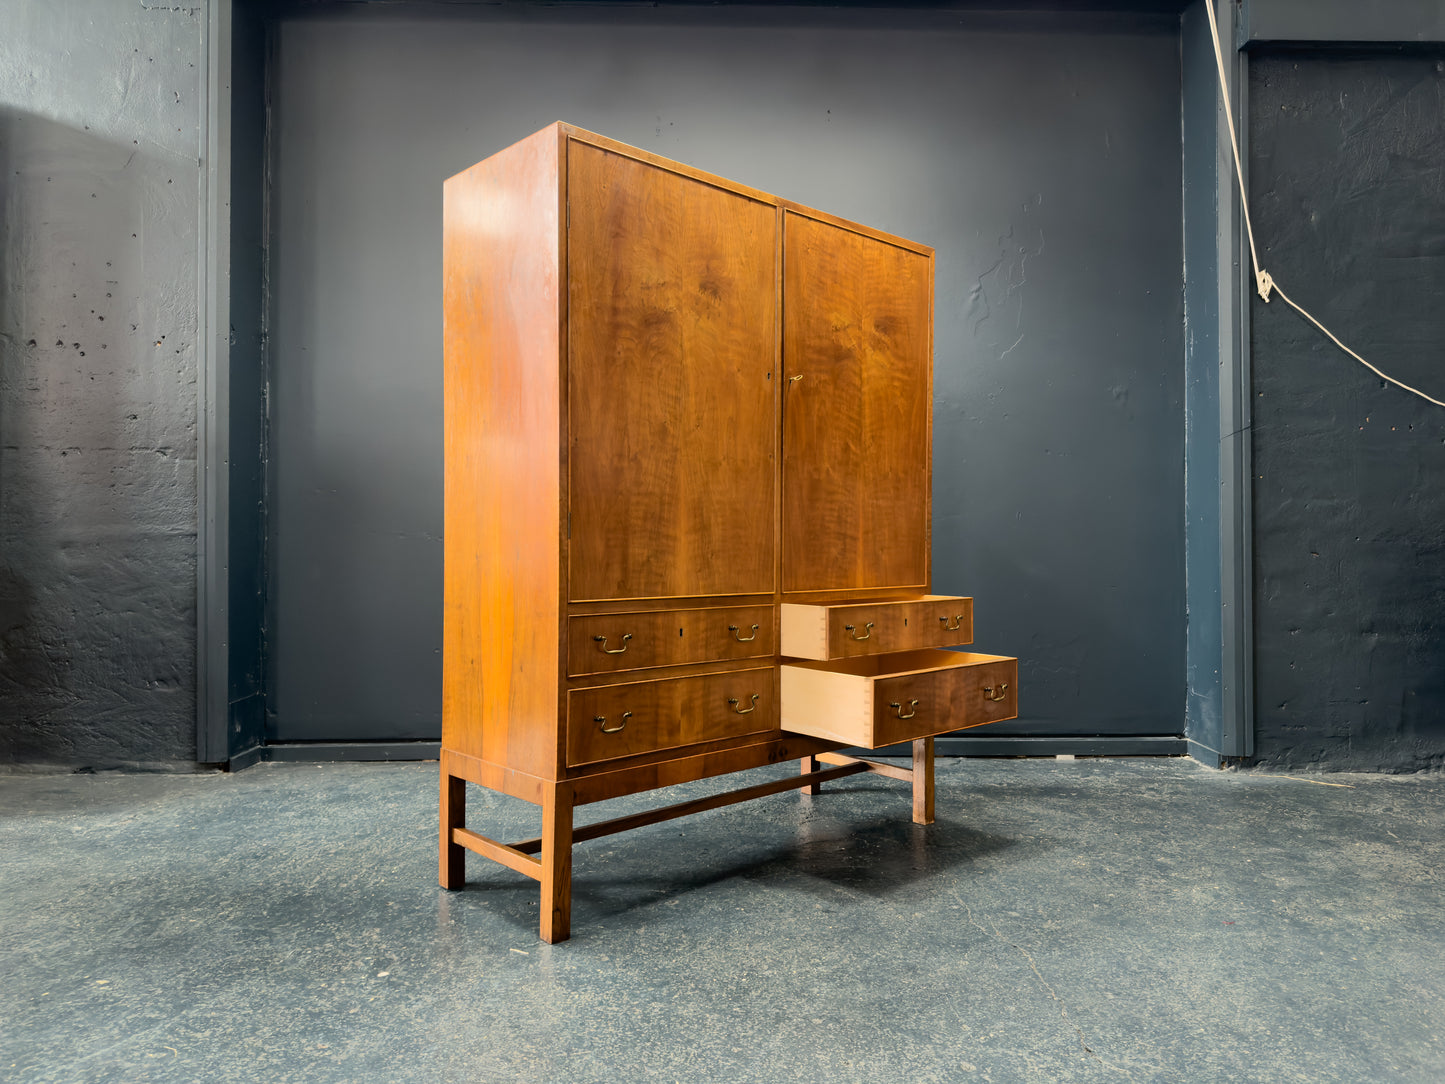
(101, 103)
(1347, 178)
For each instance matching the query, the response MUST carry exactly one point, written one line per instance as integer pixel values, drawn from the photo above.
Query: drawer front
(941, 701)
(607, 643)
(883, 699)
(611, 721)
(848, 630)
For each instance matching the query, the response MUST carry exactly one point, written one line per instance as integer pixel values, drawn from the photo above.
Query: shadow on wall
(95, 551)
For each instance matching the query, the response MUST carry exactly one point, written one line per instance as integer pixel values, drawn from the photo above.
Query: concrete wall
(1348, 193)
(100, 107)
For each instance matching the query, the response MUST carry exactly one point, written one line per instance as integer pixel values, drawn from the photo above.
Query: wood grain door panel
(672, 395)
(857, 413)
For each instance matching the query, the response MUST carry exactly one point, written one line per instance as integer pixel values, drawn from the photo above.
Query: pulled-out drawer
(606, 643)
(610, 721)
(881, 699)
(847, 629)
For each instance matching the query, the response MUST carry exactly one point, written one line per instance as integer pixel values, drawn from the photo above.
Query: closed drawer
(611, 721)
(882, 699)
(846, 630)
(606, 643)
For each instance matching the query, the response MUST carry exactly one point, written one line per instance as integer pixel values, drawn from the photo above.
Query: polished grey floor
(1111, 920)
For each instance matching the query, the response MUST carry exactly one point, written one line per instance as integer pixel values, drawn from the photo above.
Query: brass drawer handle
(868, 627)
(732, 700)
(898, 709)
(957, 623)
(743, 639)
(995, 693)
(602, 720)
(602, 646)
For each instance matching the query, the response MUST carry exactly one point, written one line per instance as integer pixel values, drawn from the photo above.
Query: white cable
(1342, 346)
(1263, 282)
(1259, 279)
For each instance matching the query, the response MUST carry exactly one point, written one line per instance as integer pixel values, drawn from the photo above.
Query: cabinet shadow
(755, 858)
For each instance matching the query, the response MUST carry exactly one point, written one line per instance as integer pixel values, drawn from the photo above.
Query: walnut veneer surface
(675, 404)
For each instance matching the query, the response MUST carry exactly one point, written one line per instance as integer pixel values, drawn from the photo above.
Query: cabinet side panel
(503, 436)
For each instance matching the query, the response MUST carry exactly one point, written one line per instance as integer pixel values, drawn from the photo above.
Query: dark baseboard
(241, 761)
(1149, 745)
(332, 751)
(1002, 746)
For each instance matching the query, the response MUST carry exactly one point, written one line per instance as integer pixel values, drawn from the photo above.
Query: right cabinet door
(857, 414)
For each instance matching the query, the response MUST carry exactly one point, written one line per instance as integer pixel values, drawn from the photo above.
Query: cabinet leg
(923, 781)
(453, 864)
(810, 764)
(557, 864)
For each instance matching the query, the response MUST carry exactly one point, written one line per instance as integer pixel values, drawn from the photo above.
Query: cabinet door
(672, 327)
(857, 412)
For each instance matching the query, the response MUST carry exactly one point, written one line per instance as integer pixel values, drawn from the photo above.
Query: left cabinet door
(671, 402)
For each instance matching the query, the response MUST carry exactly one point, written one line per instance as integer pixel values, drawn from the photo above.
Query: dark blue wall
(240, 726)
(1348, 193)
(1039, 154)
(1204, 711)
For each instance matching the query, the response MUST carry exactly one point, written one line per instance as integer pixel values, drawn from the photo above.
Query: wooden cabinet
(687, 438)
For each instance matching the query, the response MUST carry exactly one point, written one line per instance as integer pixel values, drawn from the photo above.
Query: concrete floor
(1135, 920)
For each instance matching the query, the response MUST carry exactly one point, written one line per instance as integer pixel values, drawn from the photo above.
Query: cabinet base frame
(553, 865)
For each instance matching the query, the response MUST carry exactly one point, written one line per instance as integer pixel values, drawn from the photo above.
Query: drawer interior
(877, 700)
(899, 663)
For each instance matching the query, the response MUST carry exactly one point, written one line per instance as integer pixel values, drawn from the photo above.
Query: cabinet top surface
(567, 131)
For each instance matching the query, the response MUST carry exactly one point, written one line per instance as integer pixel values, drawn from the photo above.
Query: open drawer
(843, 630)
(877, 700)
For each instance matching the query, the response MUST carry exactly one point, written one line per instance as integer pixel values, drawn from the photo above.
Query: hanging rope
(1263, 282)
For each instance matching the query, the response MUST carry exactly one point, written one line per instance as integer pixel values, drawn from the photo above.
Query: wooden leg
(557, 864)
(923, 781)
(810, 764)
(453, 864)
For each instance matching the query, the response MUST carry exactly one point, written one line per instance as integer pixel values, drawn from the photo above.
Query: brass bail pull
(868, 631)
(898, 709)
(957, 623)
(743, 639)
(744, 711)
(601, 720)
(995, 693)
(602, 645)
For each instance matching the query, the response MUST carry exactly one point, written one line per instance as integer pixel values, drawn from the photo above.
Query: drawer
(606, 643)
(847, 629)
(881, 699)
(610, 721)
